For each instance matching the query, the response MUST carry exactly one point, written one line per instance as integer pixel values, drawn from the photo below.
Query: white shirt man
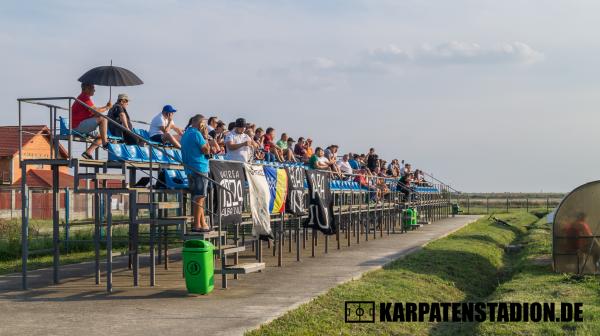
(239, 144)
(157, 122)
(344, 165)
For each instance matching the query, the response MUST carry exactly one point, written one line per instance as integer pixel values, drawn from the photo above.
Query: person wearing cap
(161, 126)
(195, 151)
(240, 146)
(85, 122)
(118, 113)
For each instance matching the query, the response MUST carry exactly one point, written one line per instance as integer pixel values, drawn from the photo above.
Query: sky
(484, 95)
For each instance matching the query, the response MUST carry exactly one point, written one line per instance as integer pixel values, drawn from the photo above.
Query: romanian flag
(278, 187)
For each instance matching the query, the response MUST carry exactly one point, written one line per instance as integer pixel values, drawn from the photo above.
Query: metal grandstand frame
(389, 213)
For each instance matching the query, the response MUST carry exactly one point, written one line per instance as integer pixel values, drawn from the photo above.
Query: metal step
(102, 191)
(203, 235)
(230, 249)
(100, 176)
(159, 205)
(242, 268)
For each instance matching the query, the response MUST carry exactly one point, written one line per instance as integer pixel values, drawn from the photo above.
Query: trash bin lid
(198, 245)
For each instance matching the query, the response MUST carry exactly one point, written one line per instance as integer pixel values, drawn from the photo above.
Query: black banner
(320, 215)
(295, 197)
(231, 176)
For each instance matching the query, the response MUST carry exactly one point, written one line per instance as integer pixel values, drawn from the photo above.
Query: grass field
(469, 265)
(80, 246)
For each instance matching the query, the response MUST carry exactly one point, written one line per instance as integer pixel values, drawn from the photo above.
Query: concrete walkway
(77, 306)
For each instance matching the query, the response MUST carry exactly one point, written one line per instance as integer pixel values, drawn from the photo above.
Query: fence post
(547, 203)
(487, 204)
(13, 202)
(468, 204)
(527, 204)
(507, 203)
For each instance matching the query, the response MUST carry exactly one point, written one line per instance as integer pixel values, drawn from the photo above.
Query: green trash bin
(455, 209)
(198, 267)
(409, 219)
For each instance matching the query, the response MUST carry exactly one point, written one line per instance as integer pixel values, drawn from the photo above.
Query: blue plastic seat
(182, 175)
(173, 180)
(172, 156)
(64, 130)
(137, 153)
(117, 152)
(158, 155)
(113, 137)
(177, 154)
(144, 134)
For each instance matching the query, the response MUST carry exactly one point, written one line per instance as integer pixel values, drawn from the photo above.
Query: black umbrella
(110, 75)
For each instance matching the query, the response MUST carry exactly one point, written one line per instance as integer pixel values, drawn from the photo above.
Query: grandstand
(152, 177)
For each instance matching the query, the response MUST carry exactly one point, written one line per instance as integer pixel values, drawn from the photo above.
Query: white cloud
(466, 53)
(318, 73)
(324, 73)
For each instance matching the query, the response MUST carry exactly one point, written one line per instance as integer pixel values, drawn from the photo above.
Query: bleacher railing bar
(161, 203)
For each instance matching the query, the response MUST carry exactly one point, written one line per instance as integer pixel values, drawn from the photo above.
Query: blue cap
(169, 109)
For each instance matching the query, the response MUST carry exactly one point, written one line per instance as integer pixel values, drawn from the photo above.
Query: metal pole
(67, 207)
(280, 239)
(108, 242)
(55, 224)
(24, 226)
(298, 239)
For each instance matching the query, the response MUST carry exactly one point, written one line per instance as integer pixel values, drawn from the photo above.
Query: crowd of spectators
(243, 141)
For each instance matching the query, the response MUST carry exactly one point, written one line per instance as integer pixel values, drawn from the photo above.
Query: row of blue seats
(421, 189)
(64, 130)
(122, 152)
(345, 185)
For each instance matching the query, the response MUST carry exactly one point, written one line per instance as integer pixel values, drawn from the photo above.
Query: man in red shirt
(86, 122)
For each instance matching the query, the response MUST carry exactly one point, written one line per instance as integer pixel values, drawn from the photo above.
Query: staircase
(164, 210)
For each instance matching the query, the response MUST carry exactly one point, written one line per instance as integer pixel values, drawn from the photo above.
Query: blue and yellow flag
(278, 187)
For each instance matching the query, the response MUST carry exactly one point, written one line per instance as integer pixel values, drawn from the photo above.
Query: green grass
(533, 282)
(465, 266)
(14, 265)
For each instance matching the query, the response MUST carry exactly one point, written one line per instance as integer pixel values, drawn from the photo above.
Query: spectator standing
(240, 146)
(195, 150)
(218, 134)
(162, 125)
(212, 124)
(86, 122)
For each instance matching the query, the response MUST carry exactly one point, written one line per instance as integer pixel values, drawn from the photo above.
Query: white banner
(259, 201)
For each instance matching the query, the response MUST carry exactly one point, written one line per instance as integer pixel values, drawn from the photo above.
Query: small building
(36, 145)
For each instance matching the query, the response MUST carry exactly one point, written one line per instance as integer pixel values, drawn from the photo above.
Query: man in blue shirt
(194, 151)
(354, 162)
